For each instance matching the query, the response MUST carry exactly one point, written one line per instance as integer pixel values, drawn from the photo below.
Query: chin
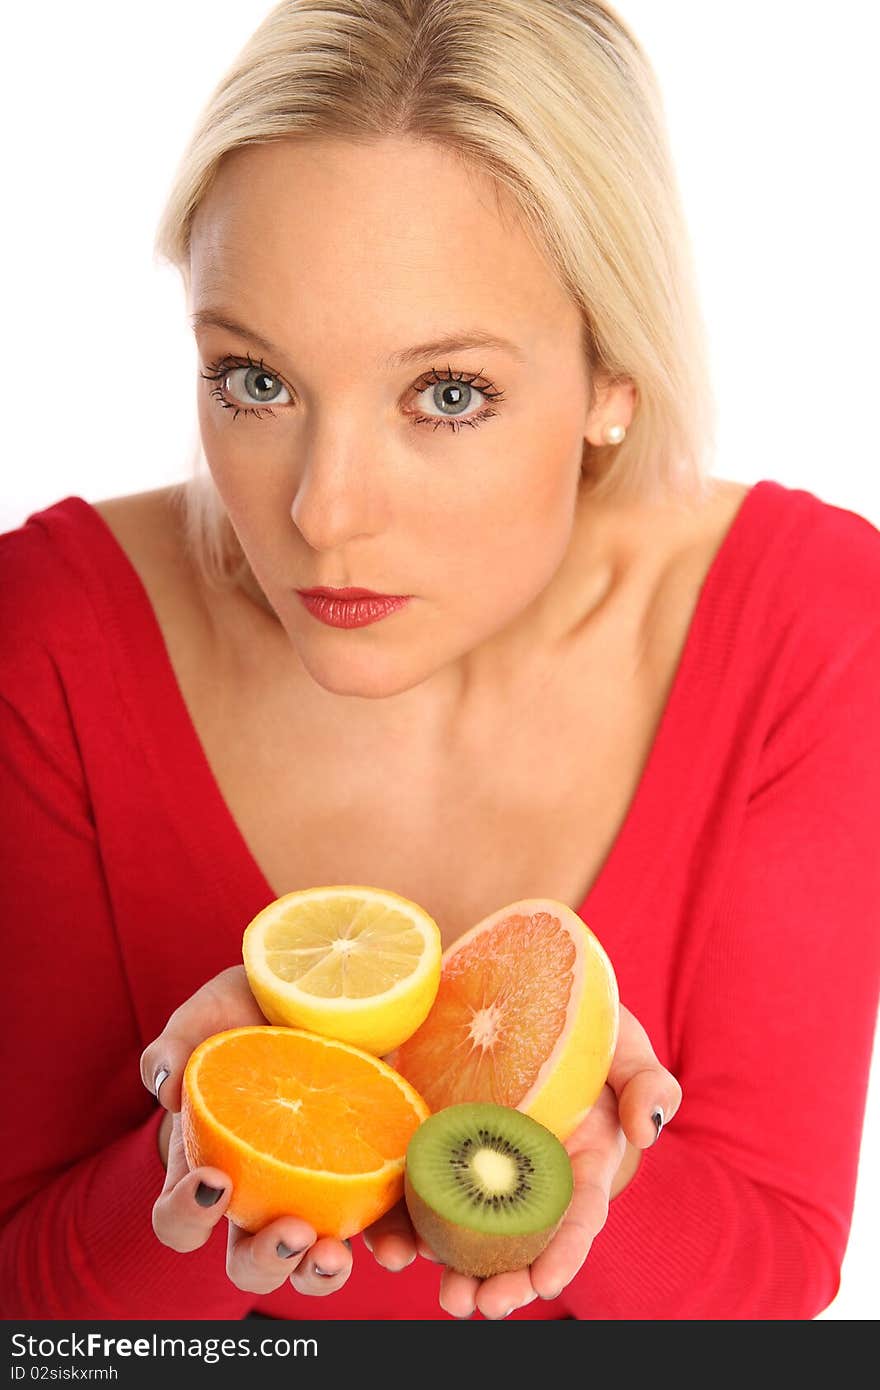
(369, 678)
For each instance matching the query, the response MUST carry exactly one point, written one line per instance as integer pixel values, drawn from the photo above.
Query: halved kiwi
(486, 1186)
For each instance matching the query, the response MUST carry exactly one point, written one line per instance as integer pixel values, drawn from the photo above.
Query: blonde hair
(556, 101)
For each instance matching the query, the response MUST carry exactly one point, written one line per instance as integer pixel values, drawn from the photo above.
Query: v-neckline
(205, 820)
(636, 859)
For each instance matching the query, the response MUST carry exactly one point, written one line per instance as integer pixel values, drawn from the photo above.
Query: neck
(597, 600)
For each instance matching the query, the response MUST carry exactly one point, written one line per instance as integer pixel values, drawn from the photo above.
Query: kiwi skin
(477, 1242)
(474, 1252)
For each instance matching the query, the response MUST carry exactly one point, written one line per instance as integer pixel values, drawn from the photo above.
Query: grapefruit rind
(572, 1077)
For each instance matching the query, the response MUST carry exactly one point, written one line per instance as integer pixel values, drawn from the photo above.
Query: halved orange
(527, 1015)
(303, 1125)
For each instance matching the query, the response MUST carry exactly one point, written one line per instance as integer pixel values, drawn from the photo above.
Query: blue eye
(452, 392)
(255, 384)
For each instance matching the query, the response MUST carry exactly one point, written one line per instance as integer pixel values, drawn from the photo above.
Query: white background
(773, 114)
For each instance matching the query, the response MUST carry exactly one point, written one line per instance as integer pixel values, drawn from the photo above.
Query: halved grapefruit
(526, 1015)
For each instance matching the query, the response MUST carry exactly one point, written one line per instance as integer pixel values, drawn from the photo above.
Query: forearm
(693, 1238)
(83, 1246)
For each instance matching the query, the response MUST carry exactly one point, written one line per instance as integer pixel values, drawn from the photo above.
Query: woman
(616, 681)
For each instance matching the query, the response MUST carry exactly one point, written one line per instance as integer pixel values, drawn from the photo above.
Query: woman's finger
(391, 1239)
(498, 1296)
(163, 1064)
(556, 1266)
(191, 1202)
(458, 1293)
(596, 1150)
(495, 1297)
(262, 1261)
(648, 1095)
(223, 1002)
(325, 1269)
(189, 1207)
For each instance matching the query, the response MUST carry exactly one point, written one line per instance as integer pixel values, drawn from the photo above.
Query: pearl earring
(614, 434)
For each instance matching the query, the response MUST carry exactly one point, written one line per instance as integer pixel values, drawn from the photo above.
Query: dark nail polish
(161, 1075)
(284, 1252)
(207, 1196)
(657, 1117)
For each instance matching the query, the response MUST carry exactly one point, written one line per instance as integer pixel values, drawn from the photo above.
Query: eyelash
(219, 370)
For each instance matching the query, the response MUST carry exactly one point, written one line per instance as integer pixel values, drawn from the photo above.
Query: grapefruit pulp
(526, 1015)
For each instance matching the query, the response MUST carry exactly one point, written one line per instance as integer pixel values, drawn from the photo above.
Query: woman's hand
(605, 1152)
(184, 1221)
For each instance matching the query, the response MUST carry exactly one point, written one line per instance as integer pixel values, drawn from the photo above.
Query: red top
(739, 905)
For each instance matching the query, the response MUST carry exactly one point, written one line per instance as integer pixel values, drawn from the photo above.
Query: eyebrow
(451, 342)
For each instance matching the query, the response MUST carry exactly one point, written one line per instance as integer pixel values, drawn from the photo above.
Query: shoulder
(824, 608)
(822, 615)
(45, 619)
(802, 573)
(66, 556)
(75, 566)
(41, 593)
(150, 528)
(834, 558)
(796, 593)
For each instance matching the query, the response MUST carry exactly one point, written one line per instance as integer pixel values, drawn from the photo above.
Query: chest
(529, 804)
(528, 807)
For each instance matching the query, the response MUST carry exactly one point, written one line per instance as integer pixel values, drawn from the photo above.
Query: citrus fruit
(303, 1125)
(355, 963)
(526, 1015)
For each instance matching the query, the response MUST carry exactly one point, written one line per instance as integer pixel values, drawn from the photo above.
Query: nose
(338, 495)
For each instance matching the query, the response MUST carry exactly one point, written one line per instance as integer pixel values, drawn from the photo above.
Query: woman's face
(367, 465)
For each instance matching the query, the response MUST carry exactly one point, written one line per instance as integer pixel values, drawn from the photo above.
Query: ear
(615, 404)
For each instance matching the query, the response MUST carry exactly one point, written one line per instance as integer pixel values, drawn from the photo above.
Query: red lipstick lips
(350, 607)
(345, 593)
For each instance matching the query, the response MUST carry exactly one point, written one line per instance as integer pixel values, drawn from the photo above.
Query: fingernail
(284, 1252)
(657, 1117)
(206, 1196)
(161, 1075)
(548, 1297)
(348, 1243)
(324, 1273)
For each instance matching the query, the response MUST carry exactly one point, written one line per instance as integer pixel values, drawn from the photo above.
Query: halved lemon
(355, 963)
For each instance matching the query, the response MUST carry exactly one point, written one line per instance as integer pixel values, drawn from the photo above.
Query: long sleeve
(743, 1208)
(79, 1162)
